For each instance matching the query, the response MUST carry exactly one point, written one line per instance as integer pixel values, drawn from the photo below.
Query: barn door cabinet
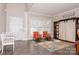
(66, 29)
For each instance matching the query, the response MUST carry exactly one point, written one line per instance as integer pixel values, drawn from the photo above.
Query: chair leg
(2, 49)
(13, 47)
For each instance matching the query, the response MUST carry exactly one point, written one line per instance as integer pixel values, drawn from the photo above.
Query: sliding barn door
(70, 30)
(62, 30)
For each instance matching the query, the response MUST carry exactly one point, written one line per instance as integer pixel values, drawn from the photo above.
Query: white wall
(40, 22)
(27, 25)
(15, 12)
(2, 18)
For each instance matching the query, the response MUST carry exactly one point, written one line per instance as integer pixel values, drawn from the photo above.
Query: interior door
(70, 30)
(62, 30)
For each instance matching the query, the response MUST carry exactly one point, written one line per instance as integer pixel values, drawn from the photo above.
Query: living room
(39, 28)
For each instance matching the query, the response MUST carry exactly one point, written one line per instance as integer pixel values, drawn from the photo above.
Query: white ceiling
(52, 8)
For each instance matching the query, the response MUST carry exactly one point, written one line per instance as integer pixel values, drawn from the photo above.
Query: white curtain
(16, 27)
(15, 24)
(70, 30)
(62, 30)
(67, 30)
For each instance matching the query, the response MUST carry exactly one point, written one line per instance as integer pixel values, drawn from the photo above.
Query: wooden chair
(36, 36)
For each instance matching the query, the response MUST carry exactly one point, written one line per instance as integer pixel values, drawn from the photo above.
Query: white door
(62, 30)
(70, 30)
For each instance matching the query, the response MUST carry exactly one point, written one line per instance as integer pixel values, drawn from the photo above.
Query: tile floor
(26, 48)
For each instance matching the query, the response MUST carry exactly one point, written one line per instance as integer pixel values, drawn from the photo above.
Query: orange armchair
(46, 35)
(36, 36)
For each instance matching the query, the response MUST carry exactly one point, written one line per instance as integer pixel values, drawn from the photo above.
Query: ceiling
(52, 8)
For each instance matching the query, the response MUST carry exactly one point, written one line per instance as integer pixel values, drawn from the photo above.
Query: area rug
(53, 45)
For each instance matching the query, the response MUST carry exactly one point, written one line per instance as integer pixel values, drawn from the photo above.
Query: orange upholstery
(36, 35)
(45, 34)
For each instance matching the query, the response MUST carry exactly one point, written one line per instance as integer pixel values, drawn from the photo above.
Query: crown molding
(40, 14)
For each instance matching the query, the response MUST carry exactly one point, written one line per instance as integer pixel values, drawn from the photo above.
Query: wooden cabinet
(66, 29)
(56, 30)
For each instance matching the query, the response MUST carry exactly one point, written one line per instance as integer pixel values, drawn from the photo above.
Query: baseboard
(65, 41)
(23, 40)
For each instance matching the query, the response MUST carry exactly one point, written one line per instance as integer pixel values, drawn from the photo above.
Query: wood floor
(26, 48)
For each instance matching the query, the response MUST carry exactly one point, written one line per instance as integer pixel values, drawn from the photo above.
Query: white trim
(40, 13)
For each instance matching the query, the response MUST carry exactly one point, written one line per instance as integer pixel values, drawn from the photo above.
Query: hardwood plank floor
(26, 48)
